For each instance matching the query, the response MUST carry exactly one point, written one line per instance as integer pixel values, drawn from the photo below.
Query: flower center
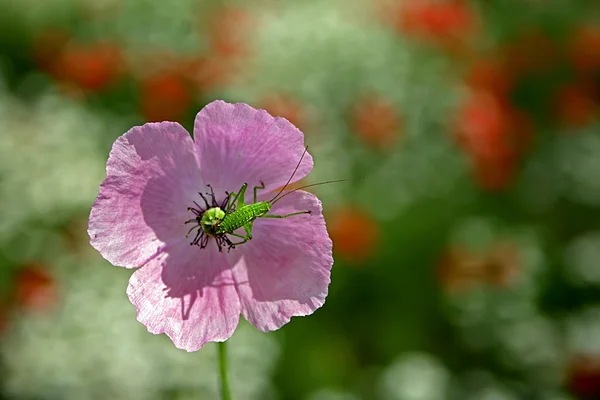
(207, 220)
(210, 220)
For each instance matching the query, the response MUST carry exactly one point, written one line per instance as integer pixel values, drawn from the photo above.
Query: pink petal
(152, 175)
(237, 143)
(285, 269)
(189, 294)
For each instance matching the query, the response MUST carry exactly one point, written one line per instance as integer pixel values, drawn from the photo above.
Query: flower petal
(151, 177)
(189, 294)
(285, 269)
(237, 143)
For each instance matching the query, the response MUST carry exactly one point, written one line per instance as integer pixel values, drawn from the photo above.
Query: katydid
(219, 220)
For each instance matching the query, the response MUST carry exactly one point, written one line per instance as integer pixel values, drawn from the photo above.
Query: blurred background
(466, 239)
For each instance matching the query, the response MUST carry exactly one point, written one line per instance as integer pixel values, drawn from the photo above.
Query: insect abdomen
(242, 216)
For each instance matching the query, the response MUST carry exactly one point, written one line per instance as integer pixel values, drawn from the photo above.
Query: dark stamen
(202, 238)
(195, 211)
(190, 231)
(200, 235)
(203, 198)
(212, 196)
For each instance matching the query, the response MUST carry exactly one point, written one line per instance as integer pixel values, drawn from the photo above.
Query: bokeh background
(466, 237)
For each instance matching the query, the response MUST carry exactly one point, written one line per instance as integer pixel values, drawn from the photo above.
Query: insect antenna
(306, 186)
(291, 177)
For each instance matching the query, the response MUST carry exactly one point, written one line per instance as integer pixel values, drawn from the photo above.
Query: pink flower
(195, 295)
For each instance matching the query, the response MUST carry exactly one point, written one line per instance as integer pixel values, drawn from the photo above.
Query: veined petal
(151, 178)
(285, 269)
(238, 144)
(189, 294)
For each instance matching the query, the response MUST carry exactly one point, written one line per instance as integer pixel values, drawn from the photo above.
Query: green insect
(220, 220)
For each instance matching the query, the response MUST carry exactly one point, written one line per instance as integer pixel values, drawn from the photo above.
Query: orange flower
(482, 126)
(207, 73)
(584, 49)
(576, 105)
(490, 75)
(461, 269)
(35, 288)
(447, 23)
(503, 262)
(481, 121)
(92, 67)
(228, 32)
(165, 97)
(375, 120)
(281, 105)
(494, 136)
(354, 234)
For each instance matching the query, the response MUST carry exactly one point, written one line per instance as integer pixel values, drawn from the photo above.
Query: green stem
(225, 393)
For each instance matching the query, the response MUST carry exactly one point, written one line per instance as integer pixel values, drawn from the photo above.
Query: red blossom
(93, 67)
(482, 126)
(35, 288)
(584, 49)
(376, 122)
(228, 32)
(576, 105)
(491, 75)
(206, 72)
(354, 234)
(165, 97)
(494, 135)
(448, 23)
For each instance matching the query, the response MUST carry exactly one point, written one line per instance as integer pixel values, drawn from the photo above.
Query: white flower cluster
(581, 259)
(583, 332)
(415, 376)
(505, 317)
(422, 376)
(50, 161)
(565, 166)
(579, 163)
(92, 347)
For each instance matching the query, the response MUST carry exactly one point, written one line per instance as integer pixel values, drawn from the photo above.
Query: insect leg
(238, 243)
(228, 243)
(285, 215)
(262, 186)
(238, 196)
(241, 195)
(248, 229)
